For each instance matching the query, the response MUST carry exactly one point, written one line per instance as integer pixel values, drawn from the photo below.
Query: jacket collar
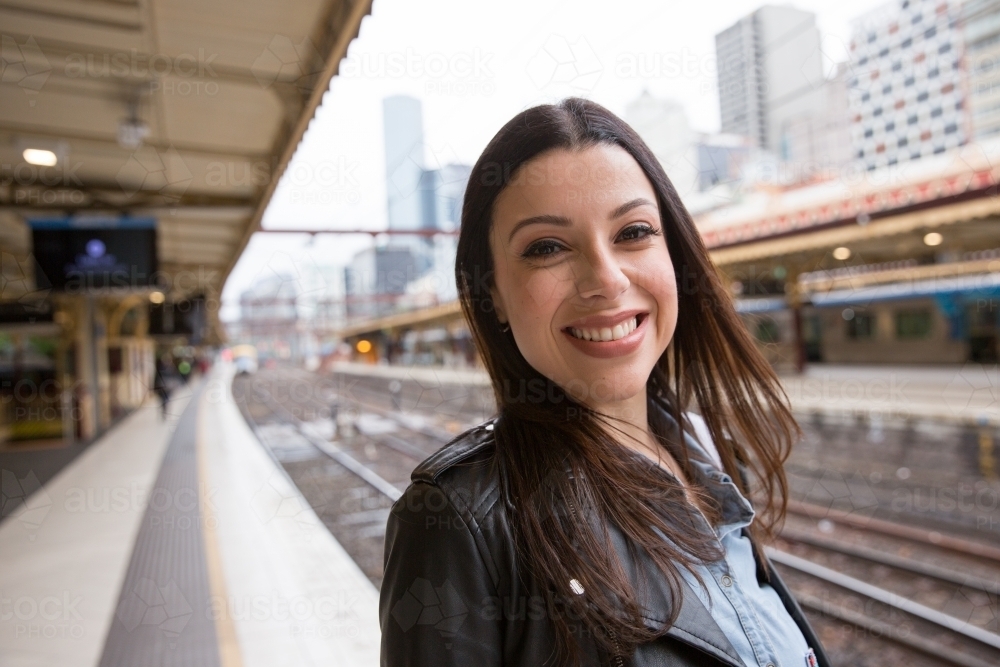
(694, 624)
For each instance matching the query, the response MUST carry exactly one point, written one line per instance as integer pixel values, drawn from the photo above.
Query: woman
(595, 520)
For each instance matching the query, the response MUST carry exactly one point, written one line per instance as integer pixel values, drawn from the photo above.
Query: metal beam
(46, 13)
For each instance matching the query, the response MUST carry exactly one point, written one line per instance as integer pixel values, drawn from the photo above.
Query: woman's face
(582, 272)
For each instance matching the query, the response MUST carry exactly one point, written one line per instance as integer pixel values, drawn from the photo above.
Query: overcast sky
(474, 65)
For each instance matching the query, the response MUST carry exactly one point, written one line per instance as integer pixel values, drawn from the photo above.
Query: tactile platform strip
(163, 617)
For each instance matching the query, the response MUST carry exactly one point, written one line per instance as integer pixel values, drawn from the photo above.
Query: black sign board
(81, 254)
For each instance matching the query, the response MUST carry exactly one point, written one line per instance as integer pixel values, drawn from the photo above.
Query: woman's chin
(602, 390)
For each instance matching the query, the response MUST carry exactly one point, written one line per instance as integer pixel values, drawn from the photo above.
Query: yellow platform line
(225, 631)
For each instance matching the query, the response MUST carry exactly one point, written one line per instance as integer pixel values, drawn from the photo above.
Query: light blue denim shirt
(751, 614)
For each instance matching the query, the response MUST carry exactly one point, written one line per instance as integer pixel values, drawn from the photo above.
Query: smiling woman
(572, 280)
(597, 519)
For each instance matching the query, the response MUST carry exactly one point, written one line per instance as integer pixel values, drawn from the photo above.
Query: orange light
(933, 239)
(363, 346)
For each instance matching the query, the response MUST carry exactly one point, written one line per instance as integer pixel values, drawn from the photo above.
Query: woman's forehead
(596, 179)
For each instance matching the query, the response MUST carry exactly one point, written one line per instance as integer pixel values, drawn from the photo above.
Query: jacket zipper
(618, 659)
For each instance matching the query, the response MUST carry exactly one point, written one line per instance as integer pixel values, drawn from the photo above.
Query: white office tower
(770, 73)
(403, 123)
(663, 125)
(906, 82)
(980, 20)
(403, 126)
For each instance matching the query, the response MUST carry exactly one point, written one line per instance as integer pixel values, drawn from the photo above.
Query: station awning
(186, 111)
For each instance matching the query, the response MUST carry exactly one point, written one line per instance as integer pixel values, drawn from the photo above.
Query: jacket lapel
(694, 624)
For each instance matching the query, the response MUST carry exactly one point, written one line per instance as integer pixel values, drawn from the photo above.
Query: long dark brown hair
(564, 477)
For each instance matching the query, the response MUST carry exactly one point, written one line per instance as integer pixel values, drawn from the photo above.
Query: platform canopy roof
(218, 92)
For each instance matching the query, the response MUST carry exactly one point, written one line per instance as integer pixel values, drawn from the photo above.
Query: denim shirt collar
(735, 510)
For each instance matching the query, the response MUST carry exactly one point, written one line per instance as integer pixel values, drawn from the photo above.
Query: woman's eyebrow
(565, 222)
(539, 219)
(628, 206)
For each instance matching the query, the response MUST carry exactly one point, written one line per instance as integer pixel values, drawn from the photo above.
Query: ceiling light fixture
(40, 157)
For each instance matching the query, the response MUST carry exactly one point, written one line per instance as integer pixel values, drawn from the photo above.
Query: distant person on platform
(160, 385)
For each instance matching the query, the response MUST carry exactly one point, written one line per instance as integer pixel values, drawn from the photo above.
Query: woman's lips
(611, 348)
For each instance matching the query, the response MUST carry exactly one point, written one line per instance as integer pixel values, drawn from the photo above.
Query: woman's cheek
(657, 274)
(544, 289)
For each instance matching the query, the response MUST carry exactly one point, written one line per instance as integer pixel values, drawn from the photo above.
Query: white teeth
(606, 334)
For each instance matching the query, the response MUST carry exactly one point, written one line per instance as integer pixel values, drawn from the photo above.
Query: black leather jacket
(452, 594)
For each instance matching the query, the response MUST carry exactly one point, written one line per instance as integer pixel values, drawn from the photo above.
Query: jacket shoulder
(472, 446)
(465, 471)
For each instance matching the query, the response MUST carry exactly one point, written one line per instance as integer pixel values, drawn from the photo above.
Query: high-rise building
(980, 20)
(770, 70)
(448, 193)
(375, 278)
(403, 125)
(721, 158)
(818, 143)
(405, 176)
(419, 198)
(443, 211)
(906, 82)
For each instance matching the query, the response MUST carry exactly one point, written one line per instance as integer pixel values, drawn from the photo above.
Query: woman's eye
(540, 249)
(638, 232)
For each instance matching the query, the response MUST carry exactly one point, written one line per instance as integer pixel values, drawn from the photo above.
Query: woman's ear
(498, 306)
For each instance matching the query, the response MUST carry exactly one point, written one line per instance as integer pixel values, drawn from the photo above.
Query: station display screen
(79, 254)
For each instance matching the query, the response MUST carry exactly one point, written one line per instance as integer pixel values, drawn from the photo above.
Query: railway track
(337, 484)
(879, 592)
(933, 597)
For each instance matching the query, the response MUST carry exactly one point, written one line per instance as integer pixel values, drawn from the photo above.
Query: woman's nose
(600, 274)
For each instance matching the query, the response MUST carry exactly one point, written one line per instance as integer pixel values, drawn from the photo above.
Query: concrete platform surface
(179, 542)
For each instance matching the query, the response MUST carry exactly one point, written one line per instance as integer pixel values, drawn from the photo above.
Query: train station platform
(177, 541)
